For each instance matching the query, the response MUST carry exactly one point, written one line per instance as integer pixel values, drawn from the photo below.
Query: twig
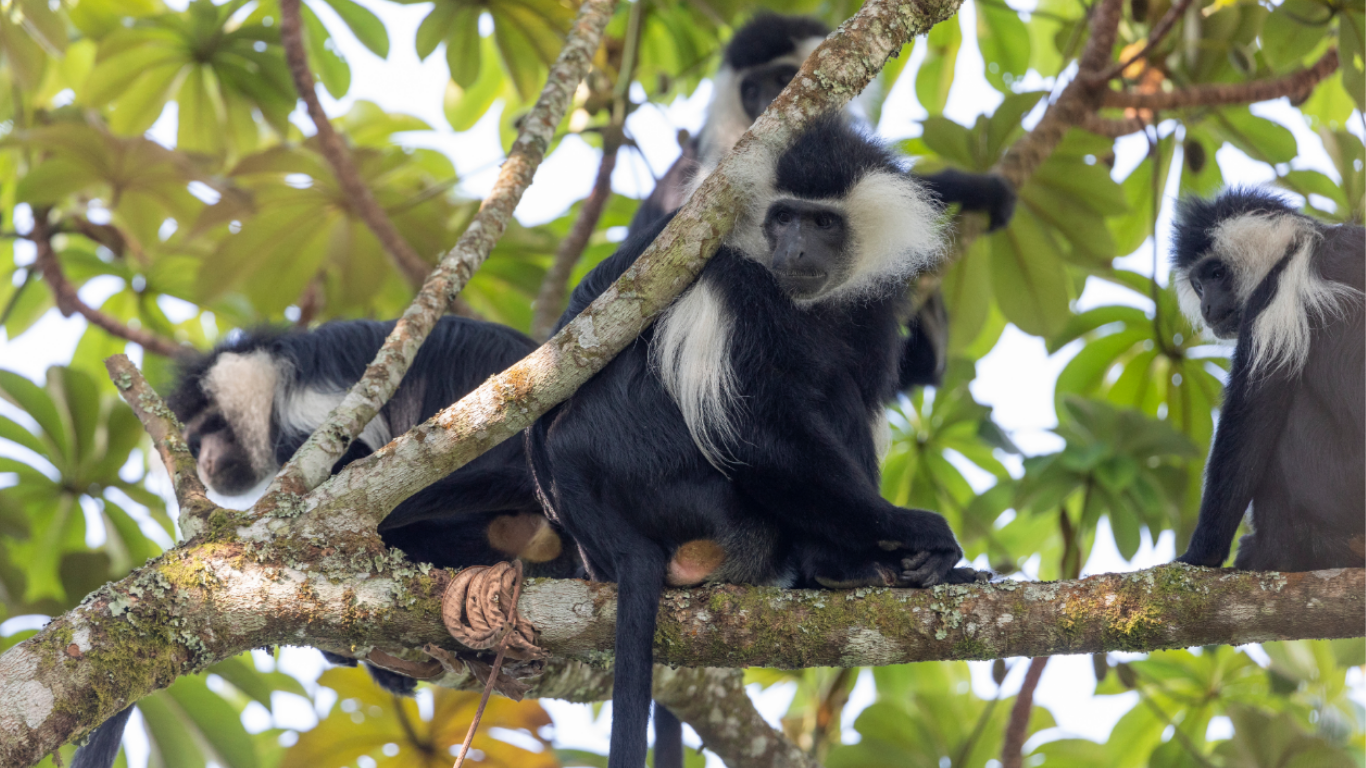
(550, 300)
(165, 431)
(69, 301)
(1012, 752)
(338, 156)
(1295, 85)
(497, 665)
(1112, 128)
(1155, 36)
(313, 462)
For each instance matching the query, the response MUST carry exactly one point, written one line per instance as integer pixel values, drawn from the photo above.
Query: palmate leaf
(528, 35)
(366, 719)
(229, 67)
(935, 76)
(1004, 43)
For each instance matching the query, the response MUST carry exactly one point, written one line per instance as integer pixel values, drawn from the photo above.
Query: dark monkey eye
(784, 217)
(825, 220)
(1218, 273)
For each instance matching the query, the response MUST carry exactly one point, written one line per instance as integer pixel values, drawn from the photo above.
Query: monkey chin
(693, 562)
(527, 536)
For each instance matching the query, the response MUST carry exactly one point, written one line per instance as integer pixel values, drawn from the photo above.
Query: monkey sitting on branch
(1290, 439)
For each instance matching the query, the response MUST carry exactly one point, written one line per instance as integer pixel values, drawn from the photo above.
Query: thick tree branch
(505, 404)
(226, 597)
(313, 462)
(69, 302)
(715, 704)
(1296, 85)
(338, 156)
(555, 286)
(165, 431)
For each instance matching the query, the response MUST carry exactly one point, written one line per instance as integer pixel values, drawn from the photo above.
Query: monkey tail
(640, 581)
(102, 747)
(668, 738)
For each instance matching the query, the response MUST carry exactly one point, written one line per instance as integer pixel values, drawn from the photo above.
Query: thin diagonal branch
(338, 156)
(554, 287)
(1113, 128)
(69, 301)
(1295, 85)
(165, 431)
(1155, 36)
(1012, 751)
(313, 462)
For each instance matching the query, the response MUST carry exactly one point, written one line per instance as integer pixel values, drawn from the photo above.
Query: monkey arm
(986, 192)
(1250, 425)
(839, 501)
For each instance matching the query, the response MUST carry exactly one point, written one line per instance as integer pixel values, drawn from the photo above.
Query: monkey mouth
(803, 284)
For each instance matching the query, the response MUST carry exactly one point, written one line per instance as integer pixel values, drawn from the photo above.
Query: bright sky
(1016, 378)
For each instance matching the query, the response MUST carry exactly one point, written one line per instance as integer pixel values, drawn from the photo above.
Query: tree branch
(165, 431)
(227, 596)
(413, 267)
(1112, 128)
(742, 738)
(1296, 85)
(313, 462)
(69, 301)
(555, 286)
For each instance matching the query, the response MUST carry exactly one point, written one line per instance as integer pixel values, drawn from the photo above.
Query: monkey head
(1222, 249)
(225, 401)
(839, 216)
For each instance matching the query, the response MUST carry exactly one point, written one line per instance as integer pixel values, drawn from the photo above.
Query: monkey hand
(1193, 557)
(924, 547)
(1002, 207)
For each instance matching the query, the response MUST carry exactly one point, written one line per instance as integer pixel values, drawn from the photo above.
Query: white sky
(1016, 378)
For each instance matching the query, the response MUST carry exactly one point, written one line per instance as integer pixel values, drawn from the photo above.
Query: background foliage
(240, 221)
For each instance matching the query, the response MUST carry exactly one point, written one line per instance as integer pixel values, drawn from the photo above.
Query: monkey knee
(526, 535)
(693, 562)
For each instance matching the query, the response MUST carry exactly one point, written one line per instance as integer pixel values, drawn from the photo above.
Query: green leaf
(1004, 43)
(465, 106)
(1029, 281)
(38, 405)
(1352, 52)
(171, 741)
(217, 722)
(935, 77)
(324, 56)
(463, 48)
(364, 24)
(1287, 37)
(1260, 138)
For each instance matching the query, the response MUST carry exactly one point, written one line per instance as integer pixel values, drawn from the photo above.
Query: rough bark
(715, 704)
(197, 605)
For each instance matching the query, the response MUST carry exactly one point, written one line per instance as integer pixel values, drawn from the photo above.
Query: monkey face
(224, 465)
(808, 246)
(761, 85)
(1216, 286)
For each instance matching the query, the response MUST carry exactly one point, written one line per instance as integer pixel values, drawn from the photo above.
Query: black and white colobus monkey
(732, 441)
(248, 405)
(1293, 425)
(758, 62)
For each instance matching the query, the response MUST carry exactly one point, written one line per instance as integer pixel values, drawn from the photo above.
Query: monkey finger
(915, 561)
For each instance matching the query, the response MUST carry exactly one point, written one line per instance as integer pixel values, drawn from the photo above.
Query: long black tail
(668, 738)
(640, 580)
(102, 747)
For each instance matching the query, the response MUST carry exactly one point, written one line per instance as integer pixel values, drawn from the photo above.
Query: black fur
(1289, 442)
(623, 475)
(1196, 219)
(768, 36)
(102, 748)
